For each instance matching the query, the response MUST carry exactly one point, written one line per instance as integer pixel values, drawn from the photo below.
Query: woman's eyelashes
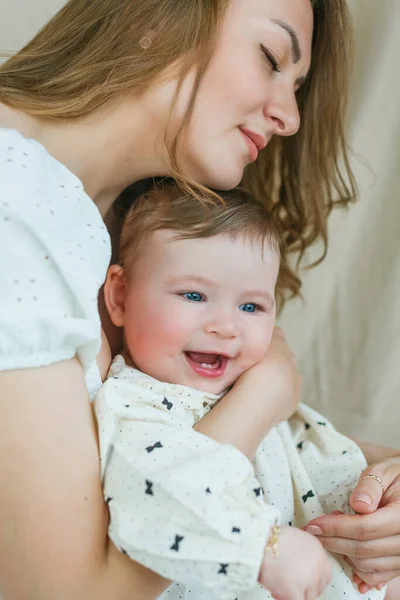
(271, 59)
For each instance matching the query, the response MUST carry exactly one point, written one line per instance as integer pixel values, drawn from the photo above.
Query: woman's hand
(265, 395)
(371, 539)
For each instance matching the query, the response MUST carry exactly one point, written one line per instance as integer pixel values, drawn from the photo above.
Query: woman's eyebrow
(296, 52)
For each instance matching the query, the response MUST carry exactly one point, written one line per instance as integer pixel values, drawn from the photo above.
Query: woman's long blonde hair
(92, 51)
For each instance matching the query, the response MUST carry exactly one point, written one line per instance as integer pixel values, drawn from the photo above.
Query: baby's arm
(180, 503)
(299, 568)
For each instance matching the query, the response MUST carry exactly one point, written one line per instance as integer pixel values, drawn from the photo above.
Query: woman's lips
(255, 142)
(253, 150)
(216, 366)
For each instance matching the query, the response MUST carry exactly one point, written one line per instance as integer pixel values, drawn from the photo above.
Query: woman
(108, 93)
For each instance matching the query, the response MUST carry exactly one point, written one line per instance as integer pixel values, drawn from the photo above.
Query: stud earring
(145, 42)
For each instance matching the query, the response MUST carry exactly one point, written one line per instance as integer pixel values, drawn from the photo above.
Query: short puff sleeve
(54, 252)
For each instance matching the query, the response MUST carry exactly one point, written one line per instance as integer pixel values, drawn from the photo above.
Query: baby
(194, 292)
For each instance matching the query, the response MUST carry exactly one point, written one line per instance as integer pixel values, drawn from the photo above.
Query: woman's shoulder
(40, 192)
(31, 159)
(26, 166)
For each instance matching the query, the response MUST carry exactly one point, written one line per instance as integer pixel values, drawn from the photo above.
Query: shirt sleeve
(48, 280)
(180, 503)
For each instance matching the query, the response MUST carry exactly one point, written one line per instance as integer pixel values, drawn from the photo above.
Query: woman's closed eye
(270, 57)
(193, 296)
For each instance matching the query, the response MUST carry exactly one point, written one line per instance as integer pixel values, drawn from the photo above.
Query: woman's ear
(115, 290)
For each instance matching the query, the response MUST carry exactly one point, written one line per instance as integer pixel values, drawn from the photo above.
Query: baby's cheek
(172, 337)
(142, 345)
(164, 339)
(250, 357)
(258, 345)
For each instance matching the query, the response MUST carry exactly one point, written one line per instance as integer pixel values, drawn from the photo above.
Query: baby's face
(200, 312)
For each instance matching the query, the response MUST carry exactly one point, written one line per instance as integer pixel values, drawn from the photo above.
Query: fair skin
(50, 472)
(115, 147)
(193, 310)
(200, 313)
(265, 101)
(123, 142)
(279, 363)
(299, 571)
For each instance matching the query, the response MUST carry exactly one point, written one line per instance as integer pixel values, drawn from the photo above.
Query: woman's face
(249, 91)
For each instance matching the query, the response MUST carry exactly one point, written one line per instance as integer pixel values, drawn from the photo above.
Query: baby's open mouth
(205, 359)
(207, 364)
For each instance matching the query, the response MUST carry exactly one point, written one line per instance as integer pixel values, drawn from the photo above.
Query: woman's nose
(282, 112)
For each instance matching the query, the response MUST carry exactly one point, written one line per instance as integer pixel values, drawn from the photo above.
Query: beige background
(346, 332)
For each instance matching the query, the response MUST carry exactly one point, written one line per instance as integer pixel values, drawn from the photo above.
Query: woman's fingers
(356, 579)
(375, 579)
(378, 579)
(369, 493)
(371, 486)
(383, 523)
(377, 565)
(370, 549)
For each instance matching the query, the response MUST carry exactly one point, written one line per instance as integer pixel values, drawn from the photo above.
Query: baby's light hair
(166, 207)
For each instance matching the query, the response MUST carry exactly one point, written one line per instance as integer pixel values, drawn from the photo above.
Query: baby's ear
(115, 294)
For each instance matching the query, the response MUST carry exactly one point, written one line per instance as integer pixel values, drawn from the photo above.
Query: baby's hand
(301, 569)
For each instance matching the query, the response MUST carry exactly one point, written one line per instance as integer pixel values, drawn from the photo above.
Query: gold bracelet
(272, 544)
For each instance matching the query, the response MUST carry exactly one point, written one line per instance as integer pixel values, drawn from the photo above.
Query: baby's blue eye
(193, 296)
(248, 307)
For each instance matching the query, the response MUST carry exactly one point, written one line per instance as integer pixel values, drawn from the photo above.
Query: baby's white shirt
(198, 512)
(180, 503)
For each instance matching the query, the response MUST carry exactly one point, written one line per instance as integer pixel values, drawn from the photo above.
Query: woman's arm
(374, 453)
(265, 395)
(103, 358)
(53, 521)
